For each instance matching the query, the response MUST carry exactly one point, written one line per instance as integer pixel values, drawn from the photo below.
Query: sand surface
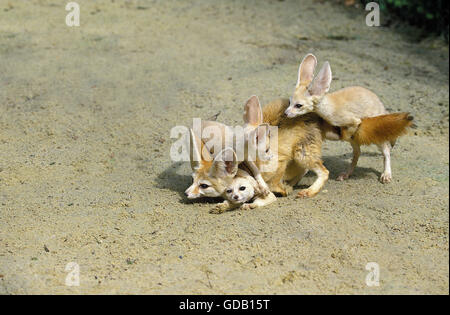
(85, 173)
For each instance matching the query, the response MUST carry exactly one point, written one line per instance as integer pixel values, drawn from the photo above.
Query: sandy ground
(85, 173)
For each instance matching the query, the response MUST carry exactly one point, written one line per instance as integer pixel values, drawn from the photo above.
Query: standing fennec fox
(298, 149)
(358, 111)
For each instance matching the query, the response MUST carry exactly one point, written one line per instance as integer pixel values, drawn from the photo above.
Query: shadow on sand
(171, 179)
(339, 164)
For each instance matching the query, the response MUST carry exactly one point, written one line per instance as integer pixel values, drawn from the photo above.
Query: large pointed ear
(198, 155)
(259, 142)
(262, 134)
(322, 82)
(225, 164)
(253, 112)
(306, 70)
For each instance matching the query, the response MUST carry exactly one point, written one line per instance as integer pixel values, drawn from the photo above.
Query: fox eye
(267, 151)
(298, 105)
(242, 188)
(204, 186)
(229, 191)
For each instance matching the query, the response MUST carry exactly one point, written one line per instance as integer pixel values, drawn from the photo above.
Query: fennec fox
(242, 189)
(215, 135)
(211, 177)
(348, 108)
(298, 149)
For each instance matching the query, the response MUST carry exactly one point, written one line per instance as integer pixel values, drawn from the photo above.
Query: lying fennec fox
(242, 189)
(215, 135)
(211, 176)
(347, 108)
(207, 158)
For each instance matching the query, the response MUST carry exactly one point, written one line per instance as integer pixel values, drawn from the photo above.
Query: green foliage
(432, 15)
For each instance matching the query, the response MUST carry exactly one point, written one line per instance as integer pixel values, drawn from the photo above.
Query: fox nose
(289, 114)
(235, 197)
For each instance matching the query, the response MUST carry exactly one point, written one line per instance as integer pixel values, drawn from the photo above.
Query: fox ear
(225, 164)
(260, 138)
(262, 134)
(199, 154)
(253, 112)
(322, 82)
(195, 151)
(306, 70)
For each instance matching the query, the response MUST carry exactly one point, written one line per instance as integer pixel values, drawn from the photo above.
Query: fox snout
(190, 194)
(289, 113)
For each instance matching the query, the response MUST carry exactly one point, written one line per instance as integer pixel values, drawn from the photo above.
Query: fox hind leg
(386, 177)
(276, 183)
(322, 177)
(297, 178)
(308, 157)
(356, 154)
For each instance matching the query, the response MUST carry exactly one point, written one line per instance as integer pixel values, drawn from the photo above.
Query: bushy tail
(384, 128)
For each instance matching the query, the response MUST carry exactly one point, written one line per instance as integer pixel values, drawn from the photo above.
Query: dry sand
(85, 173)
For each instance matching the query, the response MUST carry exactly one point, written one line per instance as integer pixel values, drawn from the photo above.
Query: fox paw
(306, 193)
(386, 178)
(248, 206)
(264, 191)
(219, 208)
(216, 210)
(343, 177)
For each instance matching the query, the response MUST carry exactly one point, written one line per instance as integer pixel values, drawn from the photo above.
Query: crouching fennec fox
(359, 112)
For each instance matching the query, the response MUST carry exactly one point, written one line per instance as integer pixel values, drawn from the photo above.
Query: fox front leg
(263, 187)
(223, 207)
(259, 202)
